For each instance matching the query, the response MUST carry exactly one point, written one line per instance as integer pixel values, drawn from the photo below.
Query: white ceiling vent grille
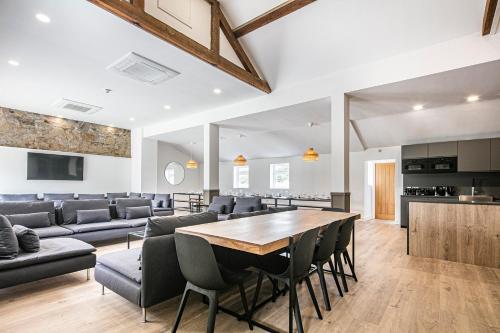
(69, 105)
(137, 67)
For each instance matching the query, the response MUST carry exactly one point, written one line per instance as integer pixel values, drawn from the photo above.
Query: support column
(144, 166)
(210, 162)
(340, 195)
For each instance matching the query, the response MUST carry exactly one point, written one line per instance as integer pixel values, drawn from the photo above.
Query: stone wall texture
(36, 131)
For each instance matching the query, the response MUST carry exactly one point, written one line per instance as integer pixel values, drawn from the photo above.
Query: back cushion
(58, 196)
(165, 200)
(9, 247)
(90, 196)
(134, 195)
(137, 212)
(28, 239)
(69, 208)
(227, 200)
(18, 197)
(149, 196)
(158, 226)
(30, 220)
(11, 208)
(113, 196)
(93, 216)
(218, 208)
(234, 216)
(244, 205)
(122, 204)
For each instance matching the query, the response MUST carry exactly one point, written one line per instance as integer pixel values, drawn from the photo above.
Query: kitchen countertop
(448, 200)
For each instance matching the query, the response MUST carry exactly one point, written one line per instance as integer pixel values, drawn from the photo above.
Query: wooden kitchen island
(455, 231)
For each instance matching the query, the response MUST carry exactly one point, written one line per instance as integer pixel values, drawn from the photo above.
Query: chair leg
(245, 305)
(291, 305)
(351, 267)
(256, 296)
(212, 312)
(181, 309)
(313, 297)
(334, 274)
(273, 282)
(322, 282)
(342, 274)
(298, 316)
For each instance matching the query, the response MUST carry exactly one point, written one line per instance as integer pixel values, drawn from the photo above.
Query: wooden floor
(395, 293)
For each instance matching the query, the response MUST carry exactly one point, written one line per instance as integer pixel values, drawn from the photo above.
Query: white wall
(101, 174)
(193, 180)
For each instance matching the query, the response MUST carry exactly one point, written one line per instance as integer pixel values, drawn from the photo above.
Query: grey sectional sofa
(149, 275)
(226, 205)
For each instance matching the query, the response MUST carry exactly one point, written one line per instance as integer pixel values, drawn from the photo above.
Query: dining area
(261, 258)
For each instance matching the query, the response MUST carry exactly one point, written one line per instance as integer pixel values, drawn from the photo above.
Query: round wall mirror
(174, 173)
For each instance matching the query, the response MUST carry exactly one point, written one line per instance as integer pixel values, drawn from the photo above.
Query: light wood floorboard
(395, 293)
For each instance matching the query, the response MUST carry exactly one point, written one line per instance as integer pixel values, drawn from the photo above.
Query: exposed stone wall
(37, 131)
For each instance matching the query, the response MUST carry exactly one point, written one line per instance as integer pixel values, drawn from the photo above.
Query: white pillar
(340, 149)
(144, 166)
(210, 161)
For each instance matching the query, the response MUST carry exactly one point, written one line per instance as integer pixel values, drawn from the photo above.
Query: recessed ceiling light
(42, 18)
(166, 107)
(473, 98)
(131, 119)
(217, 91)
(111, 125)
(13, 62)
(59, 116)
(418, 107)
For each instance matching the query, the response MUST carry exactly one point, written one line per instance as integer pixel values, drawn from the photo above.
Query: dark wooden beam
(489, 15)
(138, 4)
(236, 45)
(139, 18)
(215, 29)
(272, 15)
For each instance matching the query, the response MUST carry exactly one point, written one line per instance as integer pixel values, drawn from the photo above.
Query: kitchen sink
(475, 198)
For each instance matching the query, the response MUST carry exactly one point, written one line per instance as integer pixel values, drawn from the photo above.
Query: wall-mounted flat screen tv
(54, 167)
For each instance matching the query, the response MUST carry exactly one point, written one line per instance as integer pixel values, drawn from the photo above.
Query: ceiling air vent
(137, 67)
(69, 105)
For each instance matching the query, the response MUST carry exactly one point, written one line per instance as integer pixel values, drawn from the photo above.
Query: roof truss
(489, 16)
(134, 13)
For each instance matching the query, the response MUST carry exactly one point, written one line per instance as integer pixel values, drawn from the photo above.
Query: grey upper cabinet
(474, 155)
(495, 154)
(414, 151)
(443, 149)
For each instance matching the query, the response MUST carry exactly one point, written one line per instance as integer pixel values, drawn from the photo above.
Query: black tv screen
(54, 167)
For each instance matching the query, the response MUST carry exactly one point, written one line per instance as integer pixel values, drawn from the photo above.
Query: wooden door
(384, 191)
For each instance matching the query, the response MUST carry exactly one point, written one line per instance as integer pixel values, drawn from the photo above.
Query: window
(280, 176)
(240, 177)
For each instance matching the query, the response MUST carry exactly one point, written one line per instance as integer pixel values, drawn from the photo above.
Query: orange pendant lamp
(240, 160)
(192, 164)
(310, 155)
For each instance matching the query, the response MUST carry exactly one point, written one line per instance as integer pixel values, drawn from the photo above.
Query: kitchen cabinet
(474, 155)
(443, 149)
(414, 151)
(495, 154)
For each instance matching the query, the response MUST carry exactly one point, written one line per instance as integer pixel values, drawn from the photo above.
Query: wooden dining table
(265, 234)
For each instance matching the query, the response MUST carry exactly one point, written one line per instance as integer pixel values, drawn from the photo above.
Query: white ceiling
(67, 59)
(383, 116)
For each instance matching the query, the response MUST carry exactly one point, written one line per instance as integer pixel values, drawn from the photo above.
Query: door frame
(370, 186)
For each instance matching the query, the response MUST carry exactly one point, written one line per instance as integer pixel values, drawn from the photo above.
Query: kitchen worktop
(449, 199)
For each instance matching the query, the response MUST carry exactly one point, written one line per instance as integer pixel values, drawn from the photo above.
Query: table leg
(353, 244)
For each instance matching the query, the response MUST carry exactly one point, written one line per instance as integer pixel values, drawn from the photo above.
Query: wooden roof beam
(489, 16)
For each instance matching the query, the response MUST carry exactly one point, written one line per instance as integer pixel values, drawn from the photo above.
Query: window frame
(273, 184)
(236, 176)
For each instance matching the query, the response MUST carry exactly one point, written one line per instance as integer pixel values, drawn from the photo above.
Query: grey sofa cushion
(52, 231)
(30, 220)
(137, 212)
(90, 196)
(113, 196)
(28, 240)
(282, 209)
(158, 226)
(234, 216)
(218, 208)
(134, 195)
(124, 262)
(11, 208)
(50, 250)
(164, 198)
(70, 207)
(135, 222)
(122, 204)
(81, 228)
(149, 196)
(227, 200)
(9, 246)
(247, 205)
(58, 196)
(18, 197)
(92, 216)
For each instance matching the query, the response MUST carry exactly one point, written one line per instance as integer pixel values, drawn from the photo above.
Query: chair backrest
(328, 242)
(303, 252)
(328, 209)
(344, 237)
(197, 262)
